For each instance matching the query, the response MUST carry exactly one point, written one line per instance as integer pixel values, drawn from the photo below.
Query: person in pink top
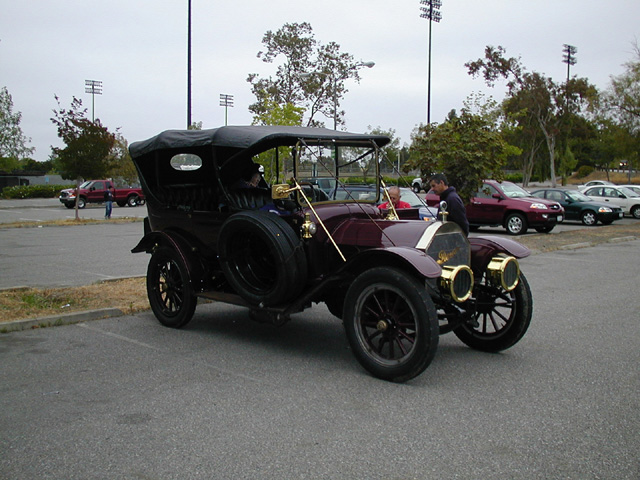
(394, 195)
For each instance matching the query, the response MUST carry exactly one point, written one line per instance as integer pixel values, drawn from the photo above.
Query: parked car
(510, 206)
(577, 206)
(622, 196)
(594, 183)
(635, 188)
(92, 191)
(375, 194)
(417, 184)
(396, 284)
(326, 184)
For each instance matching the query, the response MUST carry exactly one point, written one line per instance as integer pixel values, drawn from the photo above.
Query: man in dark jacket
(455, 207)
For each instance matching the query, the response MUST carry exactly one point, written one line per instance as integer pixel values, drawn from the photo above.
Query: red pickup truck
(92, 191)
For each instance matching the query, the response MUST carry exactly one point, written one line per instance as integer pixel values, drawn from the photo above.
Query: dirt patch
(129, 295)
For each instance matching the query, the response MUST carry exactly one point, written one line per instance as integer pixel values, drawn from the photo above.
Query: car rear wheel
(262, 257)
(168, 288)
(498, 319)
(391, 324)
(516, 224)
(588, 218)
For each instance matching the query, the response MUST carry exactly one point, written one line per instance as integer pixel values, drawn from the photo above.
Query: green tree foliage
(294, 83)
(120, 159)
(467, 148)
(13, 142)
(535, 99)
(88, 145)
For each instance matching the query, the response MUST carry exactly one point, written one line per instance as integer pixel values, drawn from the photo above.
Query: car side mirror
(496, 195)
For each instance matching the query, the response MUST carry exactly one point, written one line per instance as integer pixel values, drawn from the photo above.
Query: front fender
(484, 248)
(408, 258)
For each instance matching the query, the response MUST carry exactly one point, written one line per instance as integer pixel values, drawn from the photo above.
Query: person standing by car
(394, 195)
(108, 202)
(455, 206)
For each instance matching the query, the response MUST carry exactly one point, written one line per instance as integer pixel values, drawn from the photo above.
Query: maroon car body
(507, 205)
(396, 283)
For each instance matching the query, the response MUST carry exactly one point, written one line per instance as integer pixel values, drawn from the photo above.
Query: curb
(57, 320)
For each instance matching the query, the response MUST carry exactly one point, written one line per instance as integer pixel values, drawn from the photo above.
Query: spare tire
(262, 257)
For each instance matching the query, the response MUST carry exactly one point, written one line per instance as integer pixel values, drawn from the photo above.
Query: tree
(548, 103)
(312, 76)
(120, 159)
(467, 148)
(392, 150)
(13, 142)
(88, 144)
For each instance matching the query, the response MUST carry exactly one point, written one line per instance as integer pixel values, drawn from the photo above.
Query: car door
(571, 209)
(96, 192)
(486, 207)
(616, 197)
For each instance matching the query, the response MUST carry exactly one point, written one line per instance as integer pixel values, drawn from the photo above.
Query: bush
(33, 191)
(584, 171)
(514, 177)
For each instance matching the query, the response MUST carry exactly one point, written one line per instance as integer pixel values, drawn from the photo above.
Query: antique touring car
(275, 244)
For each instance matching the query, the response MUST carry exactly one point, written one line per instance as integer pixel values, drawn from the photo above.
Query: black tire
(546, 229)
(516, 224)
(82, 202)
(262, 257)
(391, 324)
(499, 319)
(635, 211)
(169, 288)
(588, 218)
(416, 188)
(132, 200)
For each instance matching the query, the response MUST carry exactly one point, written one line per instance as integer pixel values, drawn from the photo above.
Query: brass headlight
(457, 282)
(504, 272)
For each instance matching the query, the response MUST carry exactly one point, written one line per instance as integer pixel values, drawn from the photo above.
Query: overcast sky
(137, 48)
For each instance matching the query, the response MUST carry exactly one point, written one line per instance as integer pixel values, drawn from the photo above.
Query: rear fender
(195, 268)
(484, 248)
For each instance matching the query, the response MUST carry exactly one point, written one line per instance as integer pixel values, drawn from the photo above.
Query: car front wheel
(588, 218)
(497, 319)
(168, 288)
(516, 224)
(132, 201)
(391, 324)
(416, 188)
(635, 211)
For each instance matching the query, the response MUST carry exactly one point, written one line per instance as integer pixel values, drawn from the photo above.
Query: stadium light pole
(94, 87)
(226, 101)
(431, 13)
(334, 81)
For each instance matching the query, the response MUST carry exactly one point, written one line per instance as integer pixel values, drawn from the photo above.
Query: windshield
(577, 196)
(512, 190)
(85, 184)
(329, 168)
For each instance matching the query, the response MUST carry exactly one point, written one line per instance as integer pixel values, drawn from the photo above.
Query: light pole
(568, 57)
(334, 86)
(226, 101)
(94, 87)
(431, 13)
(189, 65)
